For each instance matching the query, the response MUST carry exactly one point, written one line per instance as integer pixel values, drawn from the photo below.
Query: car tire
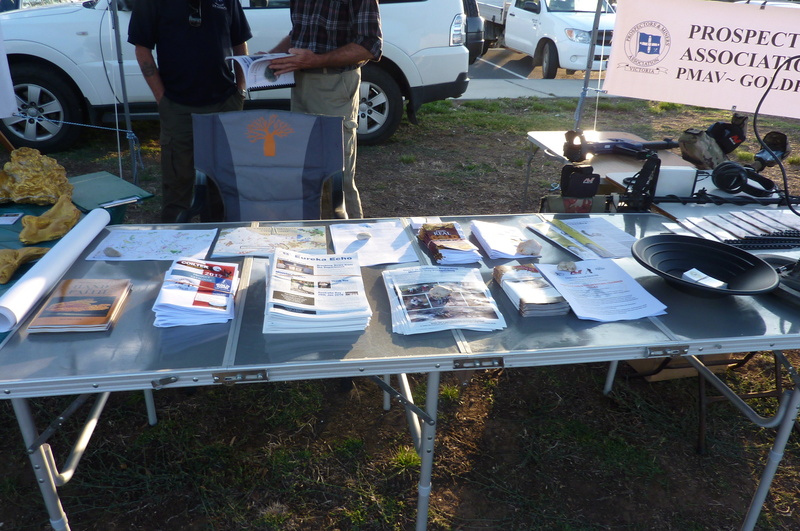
(49, 107)
(549, 61)
(380, 107)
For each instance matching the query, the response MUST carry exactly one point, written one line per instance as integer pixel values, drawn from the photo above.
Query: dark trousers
(177, 152)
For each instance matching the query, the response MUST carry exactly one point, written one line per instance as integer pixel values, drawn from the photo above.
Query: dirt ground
(516, 449)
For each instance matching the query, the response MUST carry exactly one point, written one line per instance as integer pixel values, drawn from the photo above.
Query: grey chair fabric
(268, 165)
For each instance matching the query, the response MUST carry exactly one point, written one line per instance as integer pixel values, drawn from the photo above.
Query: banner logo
(647, 44)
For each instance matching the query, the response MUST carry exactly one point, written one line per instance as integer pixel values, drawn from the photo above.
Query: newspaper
(432, 298)
(315, 293)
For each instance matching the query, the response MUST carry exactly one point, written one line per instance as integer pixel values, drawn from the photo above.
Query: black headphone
(733, 177)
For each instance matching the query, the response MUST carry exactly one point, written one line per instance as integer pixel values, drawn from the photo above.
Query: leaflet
(600, 290)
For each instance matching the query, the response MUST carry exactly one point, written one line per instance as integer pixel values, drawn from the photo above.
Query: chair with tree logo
(267, 165)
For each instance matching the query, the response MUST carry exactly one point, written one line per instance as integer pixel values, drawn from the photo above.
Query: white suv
(66, 72)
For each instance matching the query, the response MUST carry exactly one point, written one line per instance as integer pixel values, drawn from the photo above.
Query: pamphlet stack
(196, 292)
(528, 290)
(502, 241)
(315, 293)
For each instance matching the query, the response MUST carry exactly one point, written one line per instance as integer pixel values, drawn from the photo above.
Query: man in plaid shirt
(329, 41)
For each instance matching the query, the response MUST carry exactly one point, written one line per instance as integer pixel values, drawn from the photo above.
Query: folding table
(137, 356)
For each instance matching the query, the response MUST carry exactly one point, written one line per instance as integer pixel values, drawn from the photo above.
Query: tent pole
(589, 61)
(125, 106)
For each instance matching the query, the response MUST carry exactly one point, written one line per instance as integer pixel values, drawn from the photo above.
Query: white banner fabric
(710, 54)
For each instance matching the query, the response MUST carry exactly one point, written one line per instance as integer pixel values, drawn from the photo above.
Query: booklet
(82, 305)
(315, 293)
(433, 298)
(257, 73)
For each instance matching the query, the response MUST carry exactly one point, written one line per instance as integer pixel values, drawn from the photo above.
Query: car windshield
(576, 6)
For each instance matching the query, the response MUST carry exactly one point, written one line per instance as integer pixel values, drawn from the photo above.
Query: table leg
(41, 468)
(775, 456)
(426, 450)
(534, 151)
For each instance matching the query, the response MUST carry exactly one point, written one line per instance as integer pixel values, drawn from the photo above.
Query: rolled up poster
(18, 300)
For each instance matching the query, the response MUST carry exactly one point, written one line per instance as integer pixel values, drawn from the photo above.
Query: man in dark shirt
(329, 42)
(192, 38)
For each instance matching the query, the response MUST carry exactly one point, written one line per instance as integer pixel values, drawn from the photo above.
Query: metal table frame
(238, 352)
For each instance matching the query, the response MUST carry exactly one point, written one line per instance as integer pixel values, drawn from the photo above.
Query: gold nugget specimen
(11, 259)
(51, 225)
(33, 178)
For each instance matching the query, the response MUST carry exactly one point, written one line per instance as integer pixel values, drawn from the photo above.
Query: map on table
(155, 244)
(262, 241)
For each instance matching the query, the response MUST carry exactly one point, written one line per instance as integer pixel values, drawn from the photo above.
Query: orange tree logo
(265, 130)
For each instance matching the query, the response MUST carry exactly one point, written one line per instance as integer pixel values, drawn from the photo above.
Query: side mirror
(533, 7)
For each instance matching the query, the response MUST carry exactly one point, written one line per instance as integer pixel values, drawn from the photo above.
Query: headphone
(733, 177)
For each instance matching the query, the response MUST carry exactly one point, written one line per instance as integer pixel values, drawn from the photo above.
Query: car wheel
(549, 61)
(380, 107)
(47, 108)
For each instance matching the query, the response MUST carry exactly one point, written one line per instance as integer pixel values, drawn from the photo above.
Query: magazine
(196, 292)
(257, 73)
(82, 305)
(315, 293)
(433, 298)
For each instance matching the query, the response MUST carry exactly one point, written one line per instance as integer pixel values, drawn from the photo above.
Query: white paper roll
(18, 300)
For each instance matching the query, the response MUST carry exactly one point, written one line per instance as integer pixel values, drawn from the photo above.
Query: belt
(329, 69)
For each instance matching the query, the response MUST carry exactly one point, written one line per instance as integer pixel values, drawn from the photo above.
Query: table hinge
(161, 382)
(234, 377)
(672, 350)
(478, 363)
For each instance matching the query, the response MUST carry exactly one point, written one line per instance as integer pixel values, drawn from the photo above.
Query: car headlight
(580, 36)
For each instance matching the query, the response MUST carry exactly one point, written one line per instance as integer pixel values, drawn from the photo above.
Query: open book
(257, 73)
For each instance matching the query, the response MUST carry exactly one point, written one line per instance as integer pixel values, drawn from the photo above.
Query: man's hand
(299, 60)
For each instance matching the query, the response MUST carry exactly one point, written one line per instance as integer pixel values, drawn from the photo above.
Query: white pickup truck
(66, 72)
(556, 33)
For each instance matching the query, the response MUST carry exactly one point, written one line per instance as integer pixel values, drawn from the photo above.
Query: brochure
(587, 238)
(502, 241)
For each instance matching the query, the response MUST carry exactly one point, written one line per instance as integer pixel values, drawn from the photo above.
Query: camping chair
(267, 165)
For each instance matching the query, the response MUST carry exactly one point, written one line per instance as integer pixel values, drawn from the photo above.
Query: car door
(522, 25)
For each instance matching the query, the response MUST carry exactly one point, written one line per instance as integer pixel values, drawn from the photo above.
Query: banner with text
(710, 54)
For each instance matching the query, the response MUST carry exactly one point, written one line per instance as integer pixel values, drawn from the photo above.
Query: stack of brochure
(501, 241)
(196, 292)
(431, 298)
(315, 293)
(528, 290)
(448, 244)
